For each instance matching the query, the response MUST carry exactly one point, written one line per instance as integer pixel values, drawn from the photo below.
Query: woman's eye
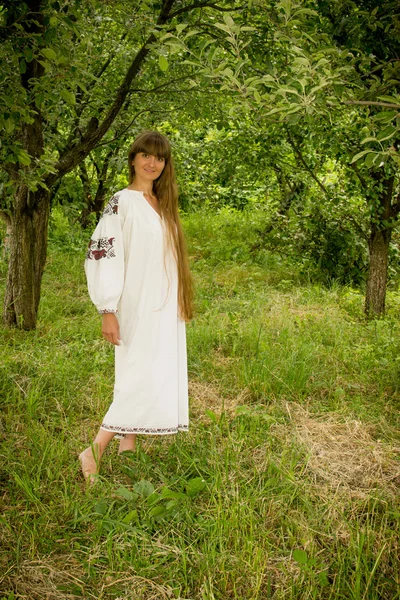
(160, 159)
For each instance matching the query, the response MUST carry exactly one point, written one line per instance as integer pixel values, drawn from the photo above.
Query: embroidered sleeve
(111, 207)
(104, 264)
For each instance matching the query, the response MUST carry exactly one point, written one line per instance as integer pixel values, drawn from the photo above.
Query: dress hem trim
(144, 430)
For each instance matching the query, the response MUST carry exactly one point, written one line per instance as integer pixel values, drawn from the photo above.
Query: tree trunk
(95, 205)
(384, 218)
(27, 258)
(377, 275)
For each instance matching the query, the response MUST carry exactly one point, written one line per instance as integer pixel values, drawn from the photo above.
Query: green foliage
(266, 104)
(238, 507)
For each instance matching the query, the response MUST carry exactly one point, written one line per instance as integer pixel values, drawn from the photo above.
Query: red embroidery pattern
(101, 248)
(112, 206)
(144, 429)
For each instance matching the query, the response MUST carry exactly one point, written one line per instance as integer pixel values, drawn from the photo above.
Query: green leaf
(257, 96)
(82, 86)
(386, 133)
(275, 110)
(28, 54)
(157, 511)
(300, 556)
(181, 27)
(390, 99)
(223, 27)
(23, 157)
(68, 97)
(153, 498)
(386, 115)
(162, 63)
(358, 156)
(144, 488)
(131, 516)
(123, 492)
(167, 493)
(284, 90)
(368, 139)
(191, 33)
(268, 78)
(294, 108)
(22, 66)
(211, 415)
(195, 486)
(9, 125)
(306, 11)
(301, 61)
(229, 21)
(49, 53)
(371, 159)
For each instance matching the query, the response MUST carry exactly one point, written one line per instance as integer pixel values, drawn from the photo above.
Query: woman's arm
(110, 328)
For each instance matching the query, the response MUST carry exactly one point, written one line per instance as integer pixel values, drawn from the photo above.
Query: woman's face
(148, 166)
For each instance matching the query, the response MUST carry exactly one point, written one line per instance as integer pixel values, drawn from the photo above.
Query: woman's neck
(142, 186)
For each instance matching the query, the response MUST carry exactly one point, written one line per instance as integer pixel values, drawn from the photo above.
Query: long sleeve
(104, 264)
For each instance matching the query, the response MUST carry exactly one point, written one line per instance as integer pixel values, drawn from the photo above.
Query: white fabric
(129, 272)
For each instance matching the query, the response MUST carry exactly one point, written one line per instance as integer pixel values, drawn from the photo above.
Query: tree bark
(27, 257)
(377, 274)
(94, 205)
(30, 214)
(384, 219)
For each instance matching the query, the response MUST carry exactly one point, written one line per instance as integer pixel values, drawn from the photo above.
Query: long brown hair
(166, 190)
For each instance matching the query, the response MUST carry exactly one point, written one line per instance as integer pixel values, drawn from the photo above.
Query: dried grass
(64, 580)
(47, 580)
(345, 456)
(207, 397)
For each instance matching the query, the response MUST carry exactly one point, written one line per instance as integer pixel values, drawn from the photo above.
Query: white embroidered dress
(129, 273)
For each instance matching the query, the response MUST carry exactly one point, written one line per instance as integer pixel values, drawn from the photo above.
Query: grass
(286, 486)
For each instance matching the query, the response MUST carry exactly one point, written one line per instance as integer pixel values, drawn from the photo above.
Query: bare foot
(128, 442)
(89, 465)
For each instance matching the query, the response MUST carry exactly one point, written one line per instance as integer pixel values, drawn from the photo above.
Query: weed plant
(286, 486)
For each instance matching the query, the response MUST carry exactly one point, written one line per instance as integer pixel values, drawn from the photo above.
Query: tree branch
(204, 5)
(360, 177)
(371, 103)
(305, 165)
(95, 131)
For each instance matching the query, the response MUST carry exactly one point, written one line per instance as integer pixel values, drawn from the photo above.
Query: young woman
(138, 277)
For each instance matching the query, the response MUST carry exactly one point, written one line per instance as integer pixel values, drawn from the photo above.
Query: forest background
(284, 119)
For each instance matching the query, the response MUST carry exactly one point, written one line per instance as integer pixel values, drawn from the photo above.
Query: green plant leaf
(131, 516)
(24, 158)
(9, 125)
(386, 133)
(211, 415)
(195, 486)
(49, 53)
(123, 492)
(144, 488)
(163, 63)
(157, 511)
(300, 556)
(358, 156)
(68, 97)
(167, 493)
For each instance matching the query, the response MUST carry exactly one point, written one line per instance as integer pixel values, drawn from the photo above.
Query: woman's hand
(110, 328)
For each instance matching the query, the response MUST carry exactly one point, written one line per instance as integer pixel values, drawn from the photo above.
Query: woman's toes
(89, 465)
